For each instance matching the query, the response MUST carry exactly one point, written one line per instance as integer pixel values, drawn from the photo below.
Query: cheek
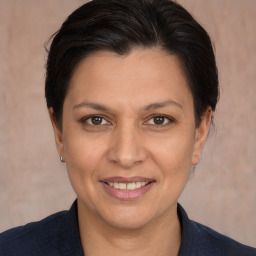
(173, 157)
(174, 152)
(83, 157)
(81, 150)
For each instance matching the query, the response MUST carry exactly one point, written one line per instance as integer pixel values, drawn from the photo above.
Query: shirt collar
(187, 232)
(74, 245)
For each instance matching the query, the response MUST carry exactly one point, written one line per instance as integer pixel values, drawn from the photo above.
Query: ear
(201, 135)
(57, 133)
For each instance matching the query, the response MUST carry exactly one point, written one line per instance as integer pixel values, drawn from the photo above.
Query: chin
(128, 218)
(128, 222)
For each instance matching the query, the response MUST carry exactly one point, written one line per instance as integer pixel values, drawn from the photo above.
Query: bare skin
(129, 119)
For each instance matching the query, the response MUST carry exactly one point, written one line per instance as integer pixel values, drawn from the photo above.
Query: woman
(131, 87)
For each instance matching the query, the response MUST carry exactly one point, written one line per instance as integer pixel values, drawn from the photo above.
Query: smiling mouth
(127, 186)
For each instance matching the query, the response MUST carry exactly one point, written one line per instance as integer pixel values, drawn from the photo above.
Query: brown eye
(159, 120)
(96, 120)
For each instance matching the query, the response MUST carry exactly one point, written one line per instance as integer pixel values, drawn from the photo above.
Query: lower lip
(124, 194)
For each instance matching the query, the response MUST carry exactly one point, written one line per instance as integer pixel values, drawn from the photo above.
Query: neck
(161, 237)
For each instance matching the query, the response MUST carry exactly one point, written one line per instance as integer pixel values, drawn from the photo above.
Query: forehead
(143, 74)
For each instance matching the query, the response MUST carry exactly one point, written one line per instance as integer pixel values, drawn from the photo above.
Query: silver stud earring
(61, 159)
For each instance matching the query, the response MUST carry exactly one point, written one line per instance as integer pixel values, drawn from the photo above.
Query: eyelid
(169, 118)
(84, 120)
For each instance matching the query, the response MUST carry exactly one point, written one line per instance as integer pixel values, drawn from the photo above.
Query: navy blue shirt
(58, 235)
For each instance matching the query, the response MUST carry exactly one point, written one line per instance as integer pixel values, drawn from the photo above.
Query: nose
(127, 148)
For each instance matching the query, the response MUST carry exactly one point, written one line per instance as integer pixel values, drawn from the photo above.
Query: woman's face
(129, 136)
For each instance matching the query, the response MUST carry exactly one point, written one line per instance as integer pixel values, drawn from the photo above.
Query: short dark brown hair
(121, 25)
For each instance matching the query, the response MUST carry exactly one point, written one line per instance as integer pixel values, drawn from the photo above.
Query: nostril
(126, 149)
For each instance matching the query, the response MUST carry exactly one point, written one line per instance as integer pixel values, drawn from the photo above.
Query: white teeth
(116, 185)
(122, 185)
(131, 186)
(139, 184)
(127, 186)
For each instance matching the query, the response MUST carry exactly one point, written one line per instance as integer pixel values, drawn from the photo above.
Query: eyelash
(169, 119)
(85, 119)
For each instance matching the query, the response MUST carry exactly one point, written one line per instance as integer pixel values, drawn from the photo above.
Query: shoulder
(33, 238)
(219, 243)
(198, 239)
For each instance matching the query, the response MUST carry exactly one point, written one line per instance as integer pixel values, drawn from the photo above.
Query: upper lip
(126, 179)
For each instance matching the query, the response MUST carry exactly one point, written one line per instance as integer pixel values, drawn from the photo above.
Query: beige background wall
(33, 184)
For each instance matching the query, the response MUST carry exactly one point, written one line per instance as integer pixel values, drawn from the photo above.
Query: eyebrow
(162, 104)
(151, 106)
(92, 105)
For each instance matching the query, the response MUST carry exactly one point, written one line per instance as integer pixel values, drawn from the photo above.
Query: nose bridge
(127, 148)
